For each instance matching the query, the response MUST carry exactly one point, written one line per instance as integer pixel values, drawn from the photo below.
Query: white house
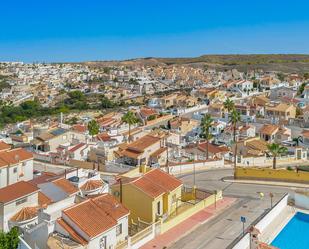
(15, 165)
(18, 205)
(102, 228)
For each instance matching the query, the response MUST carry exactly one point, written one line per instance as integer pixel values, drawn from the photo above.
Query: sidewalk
(167, 239)
(271, 183)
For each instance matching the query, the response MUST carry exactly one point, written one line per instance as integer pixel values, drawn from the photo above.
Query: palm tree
(276, 150)
(229, 105)
(130, 119)
(235, 118)
(205, 125)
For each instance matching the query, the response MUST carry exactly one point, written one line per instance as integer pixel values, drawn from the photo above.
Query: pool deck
(273, 229)
(276, 226)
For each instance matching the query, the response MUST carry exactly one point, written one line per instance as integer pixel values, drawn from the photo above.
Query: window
(103, 243)
(119, 230)
(21, 201)
(15, 170)
(158, 207)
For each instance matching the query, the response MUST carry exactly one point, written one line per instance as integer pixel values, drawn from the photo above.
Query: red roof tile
(24, 214)
(14, 156)
(43, 200)
(156, 182)
(66, 186)
(74, 235)
(90, 218)
(91, 185)
(4, 146)
(16, 191)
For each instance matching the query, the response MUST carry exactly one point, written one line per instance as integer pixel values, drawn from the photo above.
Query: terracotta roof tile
(24, 214)
(4, 146)
(110, 205)
(91, 185)
(269, 129)
(14, 156)
(156, 182)
(74, 235)
(16, 190)
(79, 128)
(141, 144)
(90, 218)
(43, 200)
(76, 147)
(66, 186)
(214, 149)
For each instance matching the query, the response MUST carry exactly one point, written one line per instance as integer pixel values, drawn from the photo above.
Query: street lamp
(271, 195)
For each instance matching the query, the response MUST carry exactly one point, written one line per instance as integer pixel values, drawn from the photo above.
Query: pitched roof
(65, 185)
(76, 147)
(16, 191)
(43, 200)
(145, 112)
(214, 149)
(141, 144)
(90, 217)
(24, 214)
(91, 185)
(111, 206)
(156, 182)
(4, 146)
(269, 129)
(282, 107)
(74, 235)
(14, 156)
(79, 128)
(305, 133)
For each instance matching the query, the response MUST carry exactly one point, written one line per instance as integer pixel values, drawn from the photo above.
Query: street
(223, 229)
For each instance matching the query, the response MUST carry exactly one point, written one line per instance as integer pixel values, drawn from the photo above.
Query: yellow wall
(165, 226)
(271, 174)
(139, 204)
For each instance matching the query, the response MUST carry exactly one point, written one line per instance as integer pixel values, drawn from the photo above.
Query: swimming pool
(295, 234)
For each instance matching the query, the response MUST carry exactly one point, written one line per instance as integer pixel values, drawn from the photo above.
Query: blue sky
(80, 30)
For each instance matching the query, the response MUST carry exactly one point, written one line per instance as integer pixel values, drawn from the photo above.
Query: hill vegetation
(267, 62)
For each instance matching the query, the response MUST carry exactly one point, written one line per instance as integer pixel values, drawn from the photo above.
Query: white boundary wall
(244, 242)
(269, 218)
(199, 165)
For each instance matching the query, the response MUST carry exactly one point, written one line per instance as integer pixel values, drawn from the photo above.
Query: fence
(142, 237)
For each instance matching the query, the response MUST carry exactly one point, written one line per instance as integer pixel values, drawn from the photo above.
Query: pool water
(295, 235)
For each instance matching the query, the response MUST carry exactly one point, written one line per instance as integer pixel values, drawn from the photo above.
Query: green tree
(301, 88)
(276, 150)
(306, 76)
(93, 128)
(206, 123)
(280, 76)
(106, 103)
(229, 105)
(299, 111)
(130, 119)
(76, 95)
(9, 240)
(151, 117)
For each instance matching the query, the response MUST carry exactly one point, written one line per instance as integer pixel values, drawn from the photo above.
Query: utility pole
(167, 155)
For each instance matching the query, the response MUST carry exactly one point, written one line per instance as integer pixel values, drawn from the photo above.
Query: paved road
(222, 230)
